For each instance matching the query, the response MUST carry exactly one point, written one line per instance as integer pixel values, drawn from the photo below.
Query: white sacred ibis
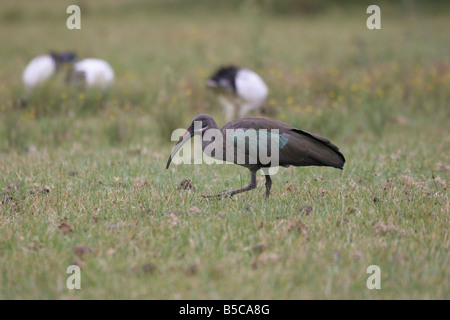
(43, 67)
(238, 88)
(92, 73)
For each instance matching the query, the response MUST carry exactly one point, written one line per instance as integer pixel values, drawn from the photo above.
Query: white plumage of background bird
(93, 73)
(238, 88)
(42, 68)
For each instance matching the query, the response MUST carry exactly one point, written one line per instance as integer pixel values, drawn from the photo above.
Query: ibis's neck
(212, 141)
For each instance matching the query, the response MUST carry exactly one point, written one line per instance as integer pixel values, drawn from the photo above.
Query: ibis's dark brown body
(299, 148)
(302, 148)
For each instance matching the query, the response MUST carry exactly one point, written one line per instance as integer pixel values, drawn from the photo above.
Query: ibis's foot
(229, 194)
(218, 196)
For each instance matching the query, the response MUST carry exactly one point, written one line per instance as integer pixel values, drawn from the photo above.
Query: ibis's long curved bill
(185, 138)
(210, 83)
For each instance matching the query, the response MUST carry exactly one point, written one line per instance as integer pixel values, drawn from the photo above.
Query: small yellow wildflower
(380, 93)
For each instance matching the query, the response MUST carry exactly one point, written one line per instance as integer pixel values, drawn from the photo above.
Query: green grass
(87, 168)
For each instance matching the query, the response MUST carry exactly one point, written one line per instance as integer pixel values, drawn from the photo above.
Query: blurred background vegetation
(326, 71)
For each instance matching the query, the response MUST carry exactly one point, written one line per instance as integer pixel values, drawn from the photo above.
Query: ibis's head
(224, 78)
(63, 57)
(198, 126)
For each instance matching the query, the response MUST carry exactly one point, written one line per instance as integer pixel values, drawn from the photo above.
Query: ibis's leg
(229, 107)
(247, 107)
(268, 185)
(231, 193)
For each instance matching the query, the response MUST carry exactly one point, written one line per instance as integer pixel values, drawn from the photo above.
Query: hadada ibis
(292, 146)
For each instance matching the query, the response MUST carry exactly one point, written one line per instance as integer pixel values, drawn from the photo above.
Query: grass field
(83, 179)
